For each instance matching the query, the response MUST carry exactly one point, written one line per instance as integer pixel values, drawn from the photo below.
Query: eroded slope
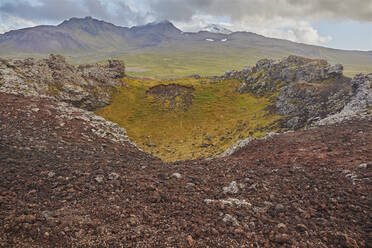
(62, 184)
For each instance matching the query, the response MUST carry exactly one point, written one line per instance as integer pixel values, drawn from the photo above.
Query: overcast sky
(345, 24)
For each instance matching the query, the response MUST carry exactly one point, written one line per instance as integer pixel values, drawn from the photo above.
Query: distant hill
(162, 50)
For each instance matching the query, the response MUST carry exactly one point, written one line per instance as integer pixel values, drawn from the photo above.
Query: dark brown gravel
(62, 186)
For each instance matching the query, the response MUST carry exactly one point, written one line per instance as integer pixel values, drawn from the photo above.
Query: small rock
(232, 188)
(345, 241)
(102, 230)
(205, 145)
(51, 174)
(133, 220)
(71, 190)
(274, 211)
(301, 228)
(282, 227)
(99, 178)
(177, 175)
(156, 197)
(281, 238)
(230, 220)
(113, 176)
(239, 231)
(362, 166)
(47, 215)
(279, 208)
(26, 218)
(252, 225)
(151, 144)
(190, 186)
(162, 176)
(191, 241)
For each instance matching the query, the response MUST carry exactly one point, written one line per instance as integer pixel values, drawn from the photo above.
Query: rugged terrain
(71, 178)
(161, 50)
(64, 184)
(197, 117)
(87, 86)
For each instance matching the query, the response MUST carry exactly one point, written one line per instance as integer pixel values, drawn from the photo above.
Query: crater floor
(188, 118)
(61, 184)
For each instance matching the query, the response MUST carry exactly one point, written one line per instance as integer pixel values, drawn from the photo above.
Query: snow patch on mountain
(218, 29)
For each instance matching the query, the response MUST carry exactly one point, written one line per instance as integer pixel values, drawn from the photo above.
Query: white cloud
(3, 28)
(307, 34)
(16, 22)
(285, 19)
(278, 27)
(13, 22)
(197, 23)
(283, 28)
(356, 10)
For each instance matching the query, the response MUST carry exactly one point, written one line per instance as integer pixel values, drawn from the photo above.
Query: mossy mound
(188, 118)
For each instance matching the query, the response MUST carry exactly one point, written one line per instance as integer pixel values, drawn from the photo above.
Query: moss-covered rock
(302, 89)
(88, 86)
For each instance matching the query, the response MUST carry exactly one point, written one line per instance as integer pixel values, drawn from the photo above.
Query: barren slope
(62, 183)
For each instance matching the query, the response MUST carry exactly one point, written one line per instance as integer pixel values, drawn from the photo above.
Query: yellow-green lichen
(217, 118)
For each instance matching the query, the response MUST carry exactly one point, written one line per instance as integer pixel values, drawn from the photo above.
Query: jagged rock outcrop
(302, 89)
(269, 75)
(359, 104)
(307, 102)
(86, 86)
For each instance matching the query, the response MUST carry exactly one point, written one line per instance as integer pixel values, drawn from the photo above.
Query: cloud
(3, 28)
(355, 10)
(288, 19)
(283, 28)
(14, 23)
(47, 11)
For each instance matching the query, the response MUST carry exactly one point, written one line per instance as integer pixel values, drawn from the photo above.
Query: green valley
(177, 124)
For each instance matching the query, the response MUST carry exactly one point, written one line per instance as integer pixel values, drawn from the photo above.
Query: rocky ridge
(362, 99)
(87, 86)
(305, 90)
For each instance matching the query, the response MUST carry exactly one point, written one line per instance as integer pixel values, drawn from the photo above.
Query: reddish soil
(62, 186)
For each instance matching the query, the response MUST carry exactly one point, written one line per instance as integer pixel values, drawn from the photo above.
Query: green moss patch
(216, 116)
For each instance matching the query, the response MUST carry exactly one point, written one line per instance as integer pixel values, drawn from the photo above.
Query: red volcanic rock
(299, 189)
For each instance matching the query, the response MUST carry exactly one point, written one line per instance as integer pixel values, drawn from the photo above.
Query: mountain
(82, 35)
(164, 27)
(162, 50)
(218, 29)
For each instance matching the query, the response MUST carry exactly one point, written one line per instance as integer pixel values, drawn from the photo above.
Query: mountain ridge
(91, 40)
(90, 20)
